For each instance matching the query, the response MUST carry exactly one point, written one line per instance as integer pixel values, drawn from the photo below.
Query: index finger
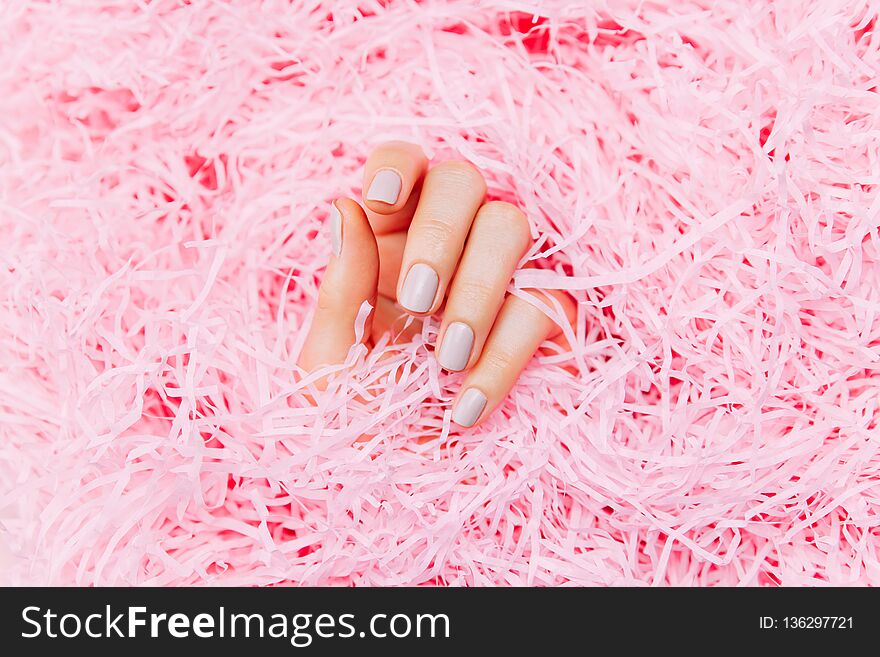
(392, 178)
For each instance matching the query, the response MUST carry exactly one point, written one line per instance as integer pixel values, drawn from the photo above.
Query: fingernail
(385, 187)
(419, 289)
(335, 230)
(469, 407)
(455, 351)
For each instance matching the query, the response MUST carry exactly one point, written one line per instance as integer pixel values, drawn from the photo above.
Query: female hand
(428, 242)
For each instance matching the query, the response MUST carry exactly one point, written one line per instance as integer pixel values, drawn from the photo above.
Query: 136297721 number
(817, 622)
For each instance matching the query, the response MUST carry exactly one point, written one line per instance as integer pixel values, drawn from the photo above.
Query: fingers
(498, 239)
(392, 179)
(518, 332)
(351, 278)
(436, 242)
(451, 194)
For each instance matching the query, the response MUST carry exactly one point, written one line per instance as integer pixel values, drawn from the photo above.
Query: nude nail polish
(470, 406)
(385, 187)
(419, 289)
(455, 350)
(335, 230)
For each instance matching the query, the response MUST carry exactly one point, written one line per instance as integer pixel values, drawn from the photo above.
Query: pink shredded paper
(701, 176)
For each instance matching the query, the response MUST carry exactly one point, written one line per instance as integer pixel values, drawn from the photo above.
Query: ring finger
(498, 239)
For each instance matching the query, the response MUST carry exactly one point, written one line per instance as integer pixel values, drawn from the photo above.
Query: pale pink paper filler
(701, 176)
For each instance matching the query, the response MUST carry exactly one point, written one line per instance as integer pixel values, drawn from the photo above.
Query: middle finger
(451, 195)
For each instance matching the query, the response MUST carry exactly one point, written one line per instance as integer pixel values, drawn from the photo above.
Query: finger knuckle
(327, 302)
(506, 219)
(397, 144)
(330, 297)
(498, 360)
(529, 312)
(474, 293)
(436, 230)
(461, 173)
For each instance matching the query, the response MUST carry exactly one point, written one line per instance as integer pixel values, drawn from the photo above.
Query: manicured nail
(455, 351)
(335, 230)
(385, 187)
(419, 289)
(469, 407)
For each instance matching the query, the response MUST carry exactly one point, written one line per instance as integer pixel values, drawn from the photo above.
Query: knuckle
(330, 296)
(398, 148)
(436, 230)
(525, 310)
(398, 144)
(461, 172)
(339, 293)
(502, 208)
(498, 360)
(506, 219)
(475, 293)
(327, 302)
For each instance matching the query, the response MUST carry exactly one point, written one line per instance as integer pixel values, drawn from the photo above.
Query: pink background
(702, 175)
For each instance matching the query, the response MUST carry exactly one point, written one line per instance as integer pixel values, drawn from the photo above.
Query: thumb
(351, 278)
